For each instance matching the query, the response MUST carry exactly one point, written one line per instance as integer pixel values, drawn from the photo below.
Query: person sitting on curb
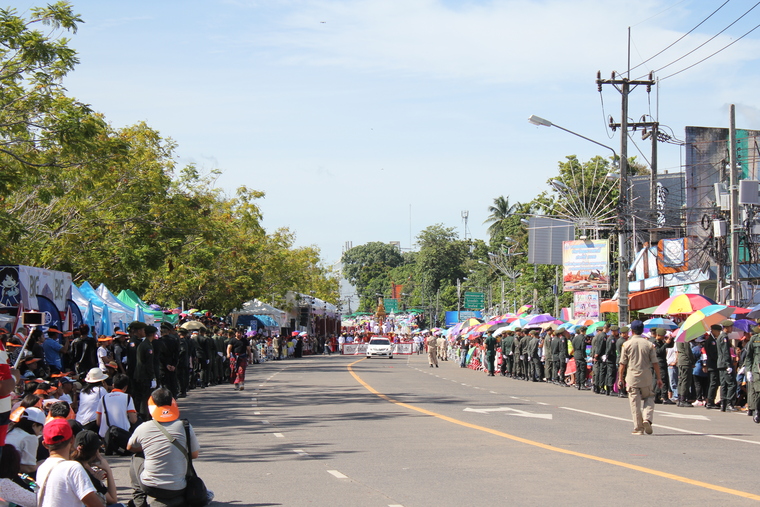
(158, 467)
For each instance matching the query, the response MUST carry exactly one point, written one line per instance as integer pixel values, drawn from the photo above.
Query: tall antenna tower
(465, 218)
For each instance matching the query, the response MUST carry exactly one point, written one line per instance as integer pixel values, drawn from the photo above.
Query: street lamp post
(623, 313)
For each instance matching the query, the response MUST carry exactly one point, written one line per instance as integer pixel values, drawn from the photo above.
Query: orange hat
(104, 338)
(122, 333)
(163, 414)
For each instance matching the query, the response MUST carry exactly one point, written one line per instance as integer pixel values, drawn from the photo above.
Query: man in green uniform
(685, 362)
(752, 373)
(490, 343)
(507, 340)
(579, 354)
(726, 368)
(517, 360)
(146, 373)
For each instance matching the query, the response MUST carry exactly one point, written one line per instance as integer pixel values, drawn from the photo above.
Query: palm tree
(500, 211)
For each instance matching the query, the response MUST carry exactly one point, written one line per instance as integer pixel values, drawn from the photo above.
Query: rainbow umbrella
(470, 322)
(523, 309)
(517, 323)
(700, 321)
(582, 321)
(683, 304)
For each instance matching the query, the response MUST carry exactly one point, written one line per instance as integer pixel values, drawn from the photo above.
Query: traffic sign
(391, 305)
(474, 300)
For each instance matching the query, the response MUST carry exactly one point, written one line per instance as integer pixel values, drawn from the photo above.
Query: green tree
(367, 268)
(500, 212)
(440, 260)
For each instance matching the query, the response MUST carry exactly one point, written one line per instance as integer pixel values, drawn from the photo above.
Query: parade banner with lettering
(586, 265)
(22, 284)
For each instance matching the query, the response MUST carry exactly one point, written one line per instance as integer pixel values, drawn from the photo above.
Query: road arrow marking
(510, 411)
(682, 416)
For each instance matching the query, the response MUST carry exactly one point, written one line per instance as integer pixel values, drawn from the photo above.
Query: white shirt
(119, 406)
(25, 443)
(102, 354)
(88, 404)
(66, 483)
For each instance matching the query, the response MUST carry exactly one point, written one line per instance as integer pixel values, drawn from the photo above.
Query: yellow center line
(547, 447)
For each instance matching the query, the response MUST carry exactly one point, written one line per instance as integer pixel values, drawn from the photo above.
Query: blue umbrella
(660, 323)
(104, 326)
(744, 325)
(89, 315)
(139, 314)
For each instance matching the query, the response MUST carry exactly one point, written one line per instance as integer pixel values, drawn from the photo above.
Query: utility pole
(623, 85)
(734, 192)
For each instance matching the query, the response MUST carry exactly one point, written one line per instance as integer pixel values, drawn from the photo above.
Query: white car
(380, 347)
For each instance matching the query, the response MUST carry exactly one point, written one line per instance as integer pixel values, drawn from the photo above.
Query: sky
(370, 120)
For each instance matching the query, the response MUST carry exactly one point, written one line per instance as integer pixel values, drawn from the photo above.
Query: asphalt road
(346, 431)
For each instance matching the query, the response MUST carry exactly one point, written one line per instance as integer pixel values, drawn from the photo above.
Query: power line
(708, 41)
(682, 37)
(710, 56)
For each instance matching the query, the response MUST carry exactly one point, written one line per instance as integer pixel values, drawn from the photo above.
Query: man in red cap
(62, 481)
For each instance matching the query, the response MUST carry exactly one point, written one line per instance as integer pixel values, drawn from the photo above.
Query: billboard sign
(586, 265)
(586, 305)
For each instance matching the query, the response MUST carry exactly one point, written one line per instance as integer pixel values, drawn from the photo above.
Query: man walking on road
(432, 343)
(637, 360)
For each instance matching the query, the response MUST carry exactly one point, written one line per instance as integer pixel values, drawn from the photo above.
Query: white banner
(360, 349)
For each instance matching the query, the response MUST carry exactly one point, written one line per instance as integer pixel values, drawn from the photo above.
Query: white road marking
(395, 505)
(492, 392)
(464, 384)
(511, 411)
(300, 452)
(337, 474)
(681, 430)
(278, 435)
(542, 403)
(514, 397)
(682, 416)
(264, 421)
(257, 413)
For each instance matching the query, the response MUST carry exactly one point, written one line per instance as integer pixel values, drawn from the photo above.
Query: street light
(623, 313)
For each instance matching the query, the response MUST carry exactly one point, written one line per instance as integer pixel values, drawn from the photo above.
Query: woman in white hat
(27, 427)
(89, 398)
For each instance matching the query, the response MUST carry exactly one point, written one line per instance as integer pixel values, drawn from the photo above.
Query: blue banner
(76, 313)
(52, 315)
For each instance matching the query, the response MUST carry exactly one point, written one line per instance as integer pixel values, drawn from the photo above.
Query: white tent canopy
(256, 307)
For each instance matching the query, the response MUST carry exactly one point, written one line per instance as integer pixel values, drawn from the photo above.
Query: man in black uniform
(662, 344)
(597, 351)
(726, 368)
(507, 339)
(609, 360)
(579, 354)
(564, 357)
(516, 347)
(624, 332)
(685, 362)
(146, 372)
(168, 358)
(548, 354)
(710, 366)
(136, 335)
(537, 367)
(183, 364)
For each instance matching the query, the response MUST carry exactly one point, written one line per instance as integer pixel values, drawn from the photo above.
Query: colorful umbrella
(537, 320)
(659, 322)
(683, 304)
(596, 326)
(517, 323)
(754, 313)
(470, 322)
(582, 321)
(523, 309)
(701, 320)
